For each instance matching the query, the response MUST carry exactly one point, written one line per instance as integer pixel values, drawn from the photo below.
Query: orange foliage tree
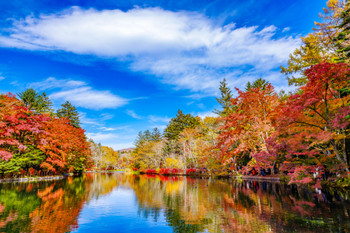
(19, 127)
(65, 146)
(247, 128)
(314, 121)
(30, 141)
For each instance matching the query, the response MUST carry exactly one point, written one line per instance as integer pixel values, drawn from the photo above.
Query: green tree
(259, 83)
(36, 102)
(148, 136)
(224, 100)
(319, 46)
(30, 158)
(343, 38)
(175, 127)
(156, 135)
(140, 139)
(70, 112)
(179, 123)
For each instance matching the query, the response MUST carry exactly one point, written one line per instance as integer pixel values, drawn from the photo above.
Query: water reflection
(126, 203)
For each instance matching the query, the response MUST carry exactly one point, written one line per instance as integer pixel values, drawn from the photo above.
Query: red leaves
(309, 129)
(316, 116)
(151, 171)
(251, 124)
(61, 142)
(191, 171)
(18, 126)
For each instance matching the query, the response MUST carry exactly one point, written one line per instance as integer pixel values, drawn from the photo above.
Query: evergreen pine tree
(224, 100)
(259, 83)
(156, 135)
(179, 123)
(36, 102)
(70, 112)
(343, 38)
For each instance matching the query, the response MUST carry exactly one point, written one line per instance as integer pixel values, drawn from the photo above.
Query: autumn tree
(110, 157)
(31, 142)
(19, 127)
(250, 125)
(314, 121)
(70, 112)
(97, 154)
(189, 140)
(65, 146)
(318, 46)
(149, 150)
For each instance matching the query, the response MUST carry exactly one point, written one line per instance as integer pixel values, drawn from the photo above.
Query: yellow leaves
(252, 162)
(334, 6)
(173, 187)
(338, 137)
(110, 156)
(173, 163)
(318, 46)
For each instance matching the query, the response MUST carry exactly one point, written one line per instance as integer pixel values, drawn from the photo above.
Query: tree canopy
(70, 112)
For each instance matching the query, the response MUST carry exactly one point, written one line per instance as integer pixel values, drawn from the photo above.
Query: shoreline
(32, 179)
(274, 179)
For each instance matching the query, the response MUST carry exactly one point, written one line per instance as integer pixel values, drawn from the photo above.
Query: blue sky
(130, 65)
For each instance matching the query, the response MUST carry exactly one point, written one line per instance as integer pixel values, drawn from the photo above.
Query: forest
(302, 135)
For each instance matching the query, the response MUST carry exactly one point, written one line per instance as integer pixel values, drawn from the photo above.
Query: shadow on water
(178, 204)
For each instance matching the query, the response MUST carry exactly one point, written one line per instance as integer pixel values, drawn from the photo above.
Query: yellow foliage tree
(318, 46)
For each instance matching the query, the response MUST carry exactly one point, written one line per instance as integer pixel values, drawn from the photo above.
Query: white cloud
(52, 82)
(184, 49)
(99, 137)
(107, 129)
(159, 118)
(133, 114)
(80, 94)
(197, 96)
(205, 114)
(151, 118)
(84, 119)
(115, 140)
(2, 78)
(86, 97)
(286, 29)
(114, 128)
(106, 116)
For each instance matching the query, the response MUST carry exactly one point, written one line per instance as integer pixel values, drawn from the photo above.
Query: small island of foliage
(302, 135)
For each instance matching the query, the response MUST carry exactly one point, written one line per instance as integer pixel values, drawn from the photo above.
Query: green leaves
(342, 41)
(31, 142)
(318, 46)
(259, 83)
(31, 158)
(36, 102)
(224, 100)
(70, 112)
(179, 123)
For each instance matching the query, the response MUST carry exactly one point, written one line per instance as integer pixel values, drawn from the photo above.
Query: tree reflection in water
(184, 204)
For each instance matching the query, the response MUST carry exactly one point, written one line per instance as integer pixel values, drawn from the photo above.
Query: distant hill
(126, 150)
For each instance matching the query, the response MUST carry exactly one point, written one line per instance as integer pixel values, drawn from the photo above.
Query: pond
(117, 202)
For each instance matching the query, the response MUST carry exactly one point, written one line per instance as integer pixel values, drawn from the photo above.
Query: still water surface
(125, 203)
